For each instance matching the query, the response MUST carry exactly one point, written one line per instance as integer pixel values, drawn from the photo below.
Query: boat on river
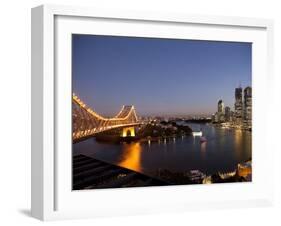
(203, 139)
(197, 133)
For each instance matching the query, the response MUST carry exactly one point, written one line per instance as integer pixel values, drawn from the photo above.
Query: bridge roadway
(76, 140)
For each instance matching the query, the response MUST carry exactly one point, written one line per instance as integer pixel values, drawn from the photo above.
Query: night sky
(158, 76)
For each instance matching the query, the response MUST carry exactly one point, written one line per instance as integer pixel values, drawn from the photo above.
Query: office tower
(227, 114)
(248, 105)
(221, 117)
(238, 106)
(221, 107)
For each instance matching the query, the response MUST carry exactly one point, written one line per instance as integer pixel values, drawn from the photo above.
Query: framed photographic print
(137, 112)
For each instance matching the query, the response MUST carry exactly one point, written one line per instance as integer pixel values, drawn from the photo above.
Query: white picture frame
(52, 197)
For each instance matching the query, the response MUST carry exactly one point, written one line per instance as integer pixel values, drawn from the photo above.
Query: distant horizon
(160, 77)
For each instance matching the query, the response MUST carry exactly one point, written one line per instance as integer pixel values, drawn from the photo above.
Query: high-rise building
(221, 107)
(238, 106)
(248, 105)
(215, 117)
(232, 116)
(221, 112)
(227, 114)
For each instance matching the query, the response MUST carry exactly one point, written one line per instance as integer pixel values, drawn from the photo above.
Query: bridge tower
(128, 132)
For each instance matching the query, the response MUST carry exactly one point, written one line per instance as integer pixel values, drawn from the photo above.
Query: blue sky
(158, 76)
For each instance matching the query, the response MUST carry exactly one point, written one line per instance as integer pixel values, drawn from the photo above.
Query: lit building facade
(213, 117)
(248, 106)
(238, 106)
(221, 107)
(228, 117)
(221, 112)
(242, 115)
(216, 117)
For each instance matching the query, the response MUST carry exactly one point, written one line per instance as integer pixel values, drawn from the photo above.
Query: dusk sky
(158, 76)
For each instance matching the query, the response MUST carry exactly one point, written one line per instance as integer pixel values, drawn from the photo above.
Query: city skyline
(158, 76)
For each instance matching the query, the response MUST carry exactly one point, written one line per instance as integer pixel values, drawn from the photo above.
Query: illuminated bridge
(86, 122)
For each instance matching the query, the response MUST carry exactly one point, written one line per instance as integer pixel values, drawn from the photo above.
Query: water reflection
(238, 141)
(203, 147)
(131, 156)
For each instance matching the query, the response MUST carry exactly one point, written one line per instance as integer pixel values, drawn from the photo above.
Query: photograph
(150, 111)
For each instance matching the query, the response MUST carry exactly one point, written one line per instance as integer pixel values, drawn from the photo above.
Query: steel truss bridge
(86, 122)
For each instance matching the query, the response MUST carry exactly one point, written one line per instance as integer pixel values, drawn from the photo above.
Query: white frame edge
(43, 86)
(37, 113)
(42, 112)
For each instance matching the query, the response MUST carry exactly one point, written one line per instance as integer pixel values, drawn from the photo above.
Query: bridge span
(86, 122)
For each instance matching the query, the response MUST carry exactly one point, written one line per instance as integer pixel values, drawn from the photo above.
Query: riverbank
(150, 132)
(242, 173)
(229, 125)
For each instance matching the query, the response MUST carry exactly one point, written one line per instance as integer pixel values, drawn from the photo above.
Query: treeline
(198, 120)
(152, 130)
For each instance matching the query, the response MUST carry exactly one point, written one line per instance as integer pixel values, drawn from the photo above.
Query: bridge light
(125, 118)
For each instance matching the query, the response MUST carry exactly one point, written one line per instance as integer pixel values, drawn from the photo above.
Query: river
(222, 151)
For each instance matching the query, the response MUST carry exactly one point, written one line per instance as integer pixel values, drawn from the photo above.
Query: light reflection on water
(131, 157)
(203, 148)
(222, 151)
